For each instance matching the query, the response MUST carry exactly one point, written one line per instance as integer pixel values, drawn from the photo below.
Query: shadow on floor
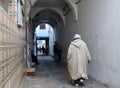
(50, 74)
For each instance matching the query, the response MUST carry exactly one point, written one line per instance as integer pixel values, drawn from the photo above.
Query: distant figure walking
(78, 58)
(34, 58)
(44, 50)
(57, 51)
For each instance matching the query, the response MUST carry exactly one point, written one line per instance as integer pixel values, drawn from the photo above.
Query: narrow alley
(52, 74)
(46, 29)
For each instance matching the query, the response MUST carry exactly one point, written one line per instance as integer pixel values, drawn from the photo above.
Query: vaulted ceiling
(47, 16)
(50, 3)
(51, 11)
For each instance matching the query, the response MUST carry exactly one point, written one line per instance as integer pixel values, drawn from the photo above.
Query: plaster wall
(99, 26)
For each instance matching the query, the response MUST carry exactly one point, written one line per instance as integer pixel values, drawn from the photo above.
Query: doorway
(44, 37)
(42, 46)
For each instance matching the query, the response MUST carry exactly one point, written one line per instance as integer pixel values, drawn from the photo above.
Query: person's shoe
(76, 84)
(81, 82)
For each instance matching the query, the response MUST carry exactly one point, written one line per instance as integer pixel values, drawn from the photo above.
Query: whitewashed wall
(99, 26)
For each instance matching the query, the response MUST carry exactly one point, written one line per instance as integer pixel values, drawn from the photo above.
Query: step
(30, 72)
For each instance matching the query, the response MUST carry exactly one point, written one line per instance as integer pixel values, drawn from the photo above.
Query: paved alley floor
(54, 75)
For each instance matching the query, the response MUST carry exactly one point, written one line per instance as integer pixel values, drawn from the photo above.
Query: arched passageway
(97, 21)
(45, 17)
(95, 24)
(48, 69)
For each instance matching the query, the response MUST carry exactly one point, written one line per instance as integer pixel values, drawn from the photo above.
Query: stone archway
(72, 4)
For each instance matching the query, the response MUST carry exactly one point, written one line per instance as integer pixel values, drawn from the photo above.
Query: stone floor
(50, 74)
